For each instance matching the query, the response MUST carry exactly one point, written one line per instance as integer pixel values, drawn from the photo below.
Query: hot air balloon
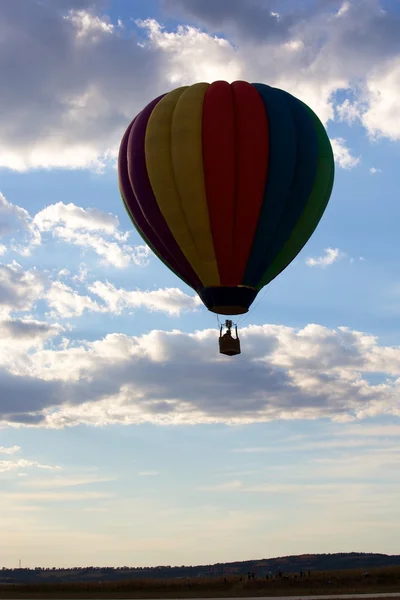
(226, 183)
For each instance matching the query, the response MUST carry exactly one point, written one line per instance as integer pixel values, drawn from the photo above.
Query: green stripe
(314, 209)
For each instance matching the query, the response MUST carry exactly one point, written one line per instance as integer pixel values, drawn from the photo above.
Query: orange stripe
(252, 152)
(219, 173)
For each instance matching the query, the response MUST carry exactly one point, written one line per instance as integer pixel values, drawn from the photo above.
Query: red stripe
(219, 173)
(252, 152)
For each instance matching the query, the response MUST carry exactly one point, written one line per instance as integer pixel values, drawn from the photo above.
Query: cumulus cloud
(346, 6)
(343, 155)
(80, 98)
(27, 332)
(110, 252)
(9, 450)
(171, 301)
(66, 302)
(349, 112)
(193, 55)
(19, 288)
(317, 52)
(331, 256)
(75, 218)
(255, 20)
(11, 217)
(87, 228)
(382, 115)
(177, 378)
(15, 220)
(374, 170)
(15, 465)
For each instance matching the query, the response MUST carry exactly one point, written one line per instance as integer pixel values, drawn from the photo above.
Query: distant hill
(261, 567)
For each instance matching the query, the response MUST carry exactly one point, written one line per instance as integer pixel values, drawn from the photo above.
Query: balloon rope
(253, 308)
(246, 315)
(220, 324)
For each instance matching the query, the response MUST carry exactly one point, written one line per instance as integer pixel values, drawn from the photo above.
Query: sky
(125, 437)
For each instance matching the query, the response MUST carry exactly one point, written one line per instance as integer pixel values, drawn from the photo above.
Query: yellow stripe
(161, 164)
(187, 159)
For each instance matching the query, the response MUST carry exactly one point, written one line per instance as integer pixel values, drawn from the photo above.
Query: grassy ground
(327, 583)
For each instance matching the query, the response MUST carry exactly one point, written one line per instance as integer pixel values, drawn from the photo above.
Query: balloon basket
(229, 345)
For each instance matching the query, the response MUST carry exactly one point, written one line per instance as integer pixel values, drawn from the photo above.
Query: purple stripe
(147, 202)
(133, 207)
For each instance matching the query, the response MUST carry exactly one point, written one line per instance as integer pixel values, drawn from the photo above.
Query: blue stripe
(281, 169)
(303, 181)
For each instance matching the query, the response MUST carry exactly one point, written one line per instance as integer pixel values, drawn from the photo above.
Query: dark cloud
(75, 79)
(24, 419)
(86, 88)
(253, 18)
(19, 329)
(176, 377)
(369, 32)
(21, 395)
(19, 289)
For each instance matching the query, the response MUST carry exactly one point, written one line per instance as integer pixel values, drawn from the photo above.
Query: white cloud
(374, 170)
(81, 85)
(9, 450)
(331, 256)
(343, 155)
(15, 220)
(89, 229)
(251, 450)
(355, 50)
(66, 302)
(343, 9)
(349, 111)
(82, 274)
(189, 47)
(111, 252)
(11, 217)
(57, 496)
(177, 378)
(75, 218)
(19, 289)
(89, 25)
(86, 228)
(81, 99)
(14, 465)
(63, 482)
(63, 273)
(25, 333)
(324, 493)
(359, 437)
(226, 486)
(382, 115)
(172, 301)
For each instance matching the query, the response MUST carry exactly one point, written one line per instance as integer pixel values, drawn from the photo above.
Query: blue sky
(125, 438)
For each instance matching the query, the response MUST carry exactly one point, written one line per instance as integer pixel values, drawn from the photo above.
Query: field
(382, 580)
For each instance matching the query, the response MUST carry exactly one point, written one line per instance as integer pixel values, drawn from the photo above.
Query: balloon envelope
(226, 183)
